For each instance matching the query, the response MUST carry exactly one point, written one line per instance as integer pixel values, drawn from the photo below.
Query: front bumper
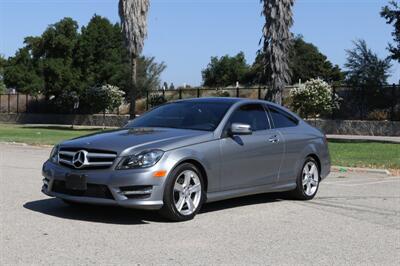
(106, 186)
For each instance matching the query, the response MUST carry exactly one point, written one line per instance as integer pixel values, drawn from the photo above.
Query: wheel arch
(316, 158)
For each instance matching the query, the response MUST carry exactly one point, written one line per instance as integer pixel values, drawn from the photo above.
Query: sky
(185, 34)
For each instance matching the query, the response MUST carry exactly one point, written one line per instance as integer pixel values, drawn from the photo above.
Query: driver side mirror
(238, 129)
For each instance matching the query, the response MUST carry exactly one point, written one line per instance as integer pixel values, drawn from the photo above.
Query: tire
(307, 184)
(184, 193)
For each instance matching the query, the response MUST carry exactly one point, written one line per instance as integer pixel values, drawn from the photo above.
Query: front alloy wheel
(184, 193)
(187, 192)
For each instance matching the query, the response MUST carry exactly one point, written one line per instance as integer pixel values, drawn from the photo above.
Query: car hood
(128, 141)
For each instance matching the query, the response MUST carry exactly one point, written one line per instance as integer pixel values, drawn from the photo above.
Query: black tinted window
(281, 118)
(251, 114)
(185, 115)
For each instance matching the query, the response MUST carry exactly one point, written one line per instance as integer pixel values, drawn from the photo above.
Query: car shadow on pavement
(92, 213)
(243, 201)
(122, 216)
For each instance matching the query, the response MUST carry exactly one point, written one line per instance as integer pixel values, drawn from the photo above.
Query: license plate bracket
(75, 182)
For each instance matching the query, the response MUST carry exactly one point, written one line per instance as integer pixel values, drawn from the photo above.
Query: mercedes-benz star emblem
(80, 159)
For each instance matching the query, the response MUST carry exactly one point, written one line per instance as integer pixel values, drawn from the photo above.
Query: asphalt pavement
(354, 220)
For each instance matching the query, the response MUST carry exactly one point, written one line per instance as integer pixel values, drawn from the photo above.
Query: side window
(251, 114)
(281, 118)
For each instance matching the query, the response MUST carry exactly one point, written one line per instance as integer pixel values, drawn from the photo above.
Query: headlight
(54, 154)
(142, 160)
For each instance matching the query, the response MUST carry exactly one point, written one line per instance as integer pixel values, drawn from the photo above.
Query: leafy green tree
(307, 62)
(23, 73)
(3, 63)
(65, 63)
(45, 64)
(148, 75)
(365, 68)
(225, 71)
(366, 74)
(101, 56)
(56, 49)
(391, 13)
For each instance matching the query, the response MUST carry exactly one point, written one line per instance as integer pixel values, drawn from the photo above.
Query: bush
(314, 98)
(103, 98)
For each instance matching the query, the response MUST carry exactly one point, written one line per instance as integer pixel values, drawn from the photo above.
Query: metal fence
(357, 104)
(14, 103)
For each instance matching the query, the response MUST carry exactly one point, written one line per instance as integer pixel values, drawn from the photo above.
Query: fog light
(136, 190)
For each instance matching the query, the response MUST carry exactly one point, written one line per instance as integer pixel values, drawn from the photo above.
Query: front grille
(89, 159)
(92, 191)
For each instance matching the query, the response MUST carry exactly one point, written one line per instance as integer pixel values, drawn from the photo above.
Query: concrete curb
(353, 138)
(22, 144)
(360, 170)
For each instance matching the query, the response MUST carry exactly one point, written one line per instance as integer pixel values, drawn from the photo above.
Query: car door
(287, 125)
(250, 160)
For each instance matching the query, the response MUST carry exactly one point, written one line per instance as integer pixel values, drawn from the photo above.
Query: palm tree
(276, 44)
(133, 14)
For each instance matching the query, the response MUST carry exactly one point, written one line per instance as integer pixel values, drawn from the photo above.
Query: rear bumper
(326, 169)
(107, 187)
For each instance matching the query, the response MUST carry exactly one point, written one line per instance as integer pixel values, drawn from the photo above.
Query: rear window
(281, 118)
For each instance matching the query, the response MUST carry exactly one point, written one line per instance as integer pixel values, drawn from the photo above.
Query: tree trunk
(274, 95)
(278, 97)
(132, 93)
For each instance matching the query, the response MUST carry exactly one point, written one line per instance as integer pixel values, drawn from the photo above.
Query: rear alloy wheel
(308, 180)
(184, 193)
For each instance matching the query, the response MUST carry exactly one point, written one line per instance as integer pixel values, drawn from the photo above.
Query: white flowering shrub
(314, 98)
(104, 98)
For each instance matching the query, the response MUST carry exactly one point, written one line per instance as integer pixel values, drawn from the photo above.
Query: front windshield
(184, 115)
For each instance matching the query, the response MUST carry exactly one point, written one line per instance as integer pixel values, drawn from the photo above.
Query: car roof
(229, 100)
(233, 100)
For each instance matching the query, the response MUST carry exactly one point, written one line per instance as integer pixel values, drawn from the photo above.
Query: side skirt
(235, 193)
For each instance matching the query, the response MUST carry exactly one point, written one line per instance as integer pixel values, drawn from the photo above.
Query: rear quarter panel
(300, 142)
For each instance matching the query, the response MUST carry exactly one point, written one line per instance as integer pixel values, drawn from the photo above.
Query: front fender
(207, 155)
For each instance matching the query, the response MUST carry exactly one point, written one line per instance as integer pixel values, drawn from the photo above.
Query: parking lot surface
(354, 220)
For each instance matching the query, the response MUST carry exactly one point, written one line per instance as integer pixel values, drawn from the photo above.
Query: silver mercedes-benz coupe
(183, 154)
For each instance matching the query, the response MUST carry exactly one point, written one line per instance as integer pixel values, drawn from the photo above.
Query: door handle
(273, 139)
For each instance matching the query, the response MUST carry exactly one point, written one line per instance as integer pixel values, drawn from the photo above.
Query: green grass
(39, 135)
(343, 153)
(365, 154)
